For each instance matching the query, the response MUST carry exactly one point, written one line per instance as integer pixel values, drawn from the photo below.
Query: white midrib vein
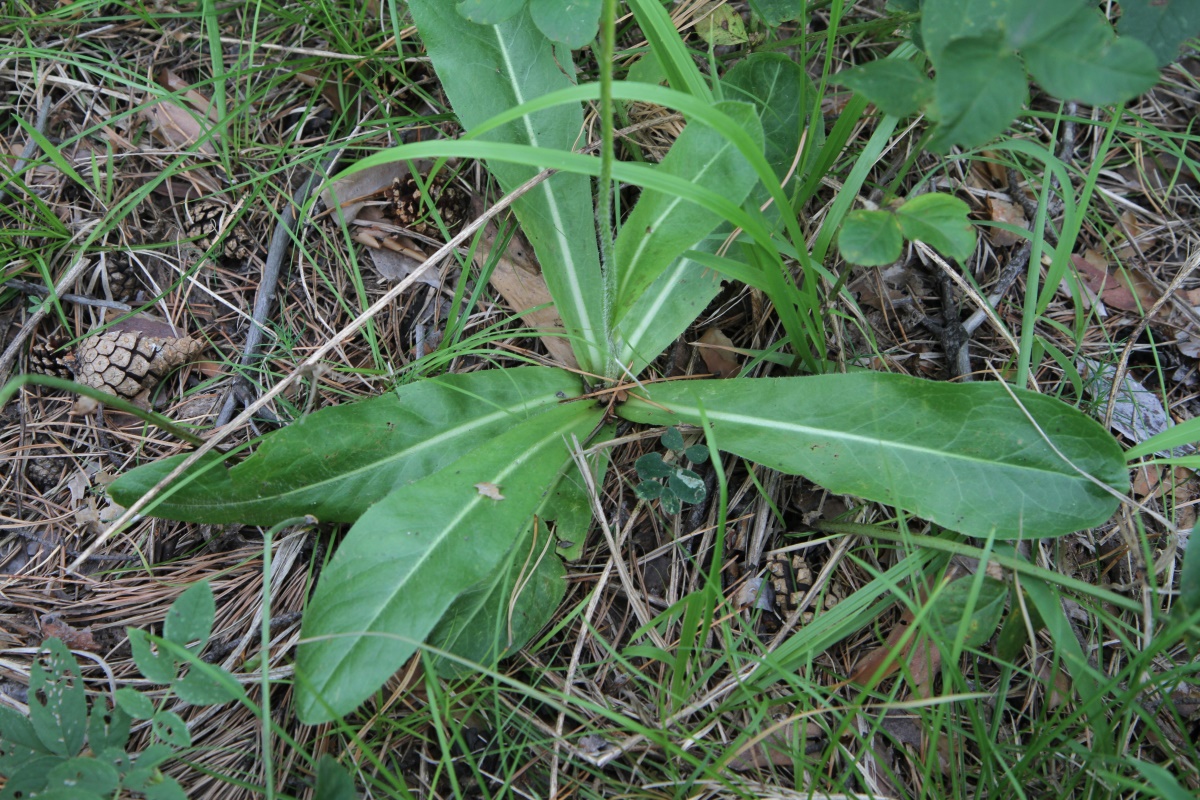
(644, 241)
(590, 330)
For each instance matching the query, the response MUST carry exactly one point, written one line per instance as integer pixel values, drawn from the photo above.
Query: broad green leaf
(333, 782)
(951, 606)
(569, 506)
(574, 24)
(895, 87)
(964, 456)
(1029, 21)
(1086, 61)
(782, 93)
(979, 90)
(940, 221)
(720, 25)
(870, 238)
(773, 12)
(57, 699)
(336, 462)
(1162, 25)
(499, 616)
(489, 12)
(487, 69)
(662, 226)
(190, 617)
(405, 561)
(27, 777)
(84, 775)
(943, 21)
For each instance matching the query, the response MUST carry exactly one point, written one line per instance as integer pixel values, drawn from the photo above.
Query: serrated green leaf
(498, 617)
(170, 728)
(1085, 61)
(108, 728)
(488, 69)
(489, 12)
(774, 12)
(947, 613)
(84, 775)
(965, 456)
(940, 221)
(720, 25)
(980, 89)
(662, 226)
(405, 561)
(573, 23)
(155, 667)
(870, 238)
(57, 699)
(333, 782)
(896, 87)
(1162, 25)
(687, 486)
(134, 703)
(190, 617)
(336, 462)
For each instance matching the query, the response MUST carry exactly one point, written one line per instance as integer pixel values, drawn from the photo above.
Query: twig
(281, 241)
(83, 300)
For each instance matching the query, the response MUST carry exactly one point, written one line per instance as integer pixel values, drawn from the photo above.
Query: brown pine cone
(129, 363)
(204, 225)
(42, 472)
(123, 278)
(48, 358)
(407, 208)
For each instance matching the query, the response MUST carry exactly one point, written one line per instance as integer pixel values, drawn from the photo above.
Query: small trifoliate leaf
(651, 466)
(697, 453)
(650, 490)
(170, 728)
(672, 439)
(980, 89)
(687, 486)
(940, 221)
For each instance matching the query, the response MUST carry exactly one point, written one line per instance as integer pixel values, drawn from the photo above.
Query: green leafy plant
(64, 750)
(981, 51)
(681, 485)
(449, 481)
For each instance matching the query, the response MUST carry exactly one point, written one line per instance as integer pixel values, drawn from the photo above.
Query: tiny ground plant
(431, 558)
(682, 484)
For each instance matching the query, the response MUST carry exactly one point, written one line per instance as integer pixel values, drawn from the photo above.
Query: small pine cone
(128, 363)
(123, 279)
(204, 225)
(44, 473)
(405, 204)
(48, 358)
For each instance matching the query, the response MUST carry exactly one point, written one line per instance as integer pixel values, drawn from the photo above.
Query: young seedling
(681, 485)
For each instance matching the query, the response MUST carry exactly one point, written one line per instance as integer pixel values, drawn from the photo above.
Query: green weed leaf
(651, 467)
(899, 88)
(83, 775)
(649, 490)
(697, 453)
(952, 602)
(574, 24)
(773, 12)
(490, 12)
(1189, 577)
(980, 90)
(940, 221)
(57, 699)
(1163, 25)
(965, 456)
(170, 728)
(190, 617)
(870, 238)
(405, 561)
(488, 69)
(662, 226)
(333, 782)
(1086, 61)
(671, 439)
(336, 462)
(721, 26)
(108, 728)
(17, 736)
(782, 92)
(686, 485)
(155, 667)
(134, 703)
(207, 685)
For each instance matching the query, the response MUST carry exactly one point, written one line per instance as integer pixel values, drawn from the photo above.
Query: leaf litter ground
(614, 654)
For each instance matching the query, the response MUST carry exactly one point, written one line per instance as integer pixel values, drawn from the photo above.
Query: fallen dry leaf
(176, 127)
(715, 348)
(1116, 290)
(1010, 213)
(177, 85)
(74, 638)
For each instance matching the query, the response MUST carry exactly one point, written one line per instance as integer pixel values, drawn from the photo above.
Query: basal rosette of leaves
(449, 481)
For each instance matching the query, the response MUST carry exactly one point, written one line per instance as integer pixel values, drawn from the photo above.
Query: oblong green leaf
(401, 566)
(336, 462)
(987, 607)
(190, 617)
(487, 69)
(963, 455)
(662, 226)
(57, 699)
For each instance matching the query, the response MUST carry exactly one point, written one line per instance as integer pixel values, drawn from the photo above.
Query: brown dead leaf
(716, 348)
(177, 85)
(1010, 213)
(74, 638)
(1115, 289)
(329, 93)
(777, 747)
(176, 127)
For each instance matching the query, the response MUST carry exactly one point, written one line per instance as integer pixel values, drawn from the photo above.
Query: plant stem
(608, 34)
